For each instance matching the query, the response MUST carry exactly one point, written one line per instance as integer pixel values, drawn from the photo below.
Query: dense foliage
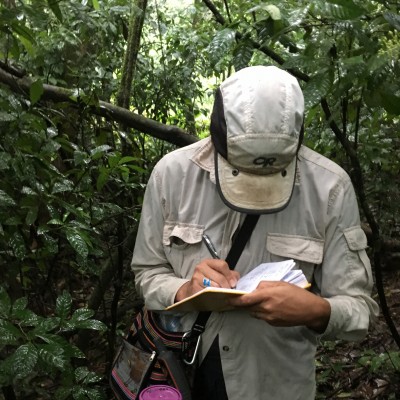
(72, 178)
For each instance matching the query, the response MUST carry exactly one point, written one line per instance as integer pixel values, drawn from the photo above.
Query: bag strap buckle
(189, 342)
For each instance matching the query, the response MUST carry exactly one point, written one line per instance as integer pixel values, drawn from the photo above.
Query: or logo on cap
(264, 161)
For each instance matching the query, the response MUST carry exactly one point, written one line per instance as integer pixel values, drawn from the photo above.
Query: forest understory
(369, 369)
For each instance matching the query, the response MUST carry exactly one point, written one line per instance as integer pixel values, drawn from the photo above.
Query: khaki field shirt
(319, 229)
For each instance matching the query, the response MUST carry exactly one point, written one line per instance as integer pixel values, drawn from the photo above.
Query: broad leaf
(5, 199)
(17, 243)
(24, 360)
(317, 87)
(77, 242)
(242, 55)
(271, 9)
(96, 4)
(99, 151)
(343, 9)
(63, 305)
(9, 334)
(31, 215)
(36, 91)
(19, 305)
(393, 19)
(391, 103)
(53, 355)
(91, 324)
(53, 5)
(5, 303)
(82, 314)
(221, 44)
(84, 376)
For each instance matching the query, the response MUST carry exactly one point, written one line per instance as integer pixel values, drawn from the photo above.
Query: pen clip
(210, 246)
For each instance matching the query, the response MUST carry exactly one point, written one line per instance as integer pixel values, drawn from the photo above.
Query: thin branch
(219, 18)
(227, 11)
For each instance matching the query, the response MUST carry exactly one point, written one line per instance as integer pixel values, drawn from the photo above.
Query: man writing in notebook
(254, 163)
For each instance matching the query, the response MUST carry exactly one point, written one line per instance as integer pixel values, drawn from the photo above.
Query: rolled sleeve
(345, 277)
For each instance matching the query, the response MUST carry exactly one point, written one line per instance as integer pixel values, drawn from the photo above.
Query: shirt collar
(204, 157)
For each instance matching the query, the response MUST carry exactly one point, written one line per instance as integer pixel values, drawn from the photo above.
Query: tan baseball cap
(256, 127)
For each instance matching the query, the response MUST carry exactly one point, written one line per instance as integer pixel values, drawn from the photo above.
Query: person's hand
(217, 271)
(284, 304)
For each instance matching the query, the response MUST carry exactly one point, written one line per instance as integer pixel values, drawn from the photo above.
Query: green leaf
(393, 19)
(103, 177)
(96, 5)
(343, 9)
(64, 186)
(53, 355)
(19, 305)
(221, 44)
(99, 151)
(317, 87)
(84, 376)
(17, 244)
(127, 159)
(95, 394)
(82, 314)
(63, 305)
(27, 44)
(63, 393)
(36, 91)
(91, 324)
(69, 350)
(4, 158)
(7, 117)
(77, 242)
(80, 157)
(9, 334)
(5, 303)
(391, 103)
(53, 5)
(22, 31)
(242, 55)
(6, 200)
(45, 325)
(271, 9)
(24, 360)
(27, 317)
(31, 216)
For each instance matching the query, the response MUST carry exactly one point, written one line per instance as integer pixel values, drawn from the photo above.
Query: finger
(218, 272)
(270, 284)
(256, 314)
(207, 282)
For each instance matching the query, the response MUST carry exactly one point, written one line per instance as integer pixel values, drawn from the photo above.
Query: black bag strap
(241, 239)
(232, 258)
(174, 368)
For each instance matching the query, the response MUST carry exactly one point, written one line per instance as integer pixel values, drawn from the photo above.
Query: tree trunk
(129, 64)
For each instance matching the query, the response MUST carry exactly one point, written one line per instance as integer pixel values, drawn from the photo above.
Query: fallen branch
(169, 133)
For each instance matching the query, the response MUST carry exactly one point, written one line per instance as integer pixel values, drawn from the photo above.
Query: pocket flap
(297, 247)
(356, 238)
(187, 233)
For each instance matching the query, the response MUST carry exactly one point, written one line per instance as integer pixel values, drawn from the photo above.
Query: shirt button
(225, 348)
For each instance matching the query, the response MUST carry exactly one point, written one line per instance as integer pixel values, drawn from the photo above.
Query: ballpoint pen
(210, 246)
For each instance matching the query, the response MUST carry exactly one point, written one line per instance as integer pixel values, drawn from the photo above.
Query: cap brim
(254, 194)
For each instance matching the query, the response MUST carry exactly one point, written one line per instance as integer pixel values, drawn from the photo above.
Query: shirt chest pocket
(182, 246)
(307, 252)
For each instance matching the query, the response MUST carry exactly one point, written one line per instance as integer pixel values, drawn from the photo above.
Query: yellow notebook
(216, 299)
